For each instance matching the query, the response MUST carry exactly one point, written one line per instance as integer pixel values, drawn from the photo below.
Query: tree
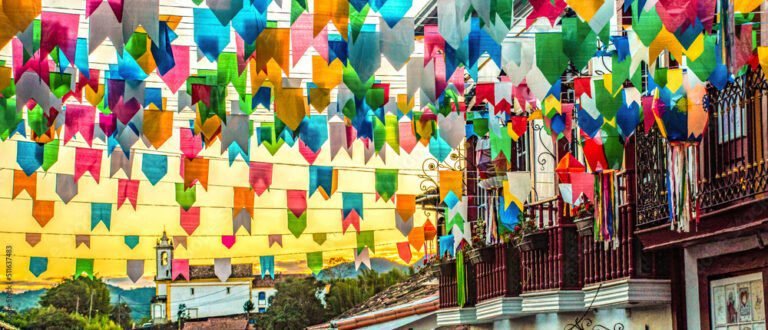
(350, 292)
(79, 295)
(52, 318)
(248, 307)
(121, 314)
(295, 306)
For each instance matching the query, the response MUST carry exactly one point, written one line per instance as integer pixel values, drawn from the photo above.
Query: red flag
(404, 250)
(190, 220)
(297, 201)
(260, 176)
(352, 219)
(127, 189)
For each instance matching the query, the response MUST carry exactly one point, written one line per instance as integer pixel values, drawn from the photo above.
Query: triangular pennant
(260, 177)
(315, 261)
(241, 219)
(88, 160)
(83, 240)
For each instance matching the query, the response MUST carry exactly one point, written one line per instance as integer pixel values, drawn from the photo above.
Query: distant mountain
(138, 299)
(347, 269)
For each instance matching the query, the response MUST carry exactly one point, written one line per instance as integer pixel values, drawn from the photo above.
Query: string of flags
(49, 83)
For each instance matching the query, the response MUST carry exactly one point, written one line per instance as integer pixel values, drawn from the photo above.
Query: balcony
(498, 284)
(450, 312)
(551, 278)
(733, 169)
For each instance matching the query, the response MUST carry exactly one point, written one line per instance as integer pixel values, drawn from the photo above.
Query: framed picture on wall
(738, 303)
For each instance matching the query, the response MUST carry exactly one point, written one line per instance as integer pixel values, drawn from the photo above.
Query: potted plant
(480, 251)
(527, 236)
(584, 217)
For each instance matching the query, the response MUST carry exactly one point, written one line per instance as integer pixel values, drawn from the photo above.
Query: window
(192, 291)
(262, 296)
(737, 302)
(228, 290)
(262, 309)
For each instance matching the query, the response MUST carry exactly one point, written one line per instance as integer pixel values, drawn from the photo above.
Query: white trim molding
(553, 301)
(499, 308)
(456, 316)
(627, 292)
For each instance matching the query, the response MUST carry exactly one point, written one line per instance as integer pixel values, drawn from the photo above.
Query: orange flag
(195, 170)
(243, 200)
(451, 181)
(416, 238)
(42, 211)
(22, 182)
(158, 126)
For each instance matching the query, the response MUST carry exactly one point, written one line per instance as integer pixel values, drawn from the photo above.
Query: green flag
(84, 266)
(365, 239)
(297, 225)
(386, 182)
(185, 197)
(315, 261)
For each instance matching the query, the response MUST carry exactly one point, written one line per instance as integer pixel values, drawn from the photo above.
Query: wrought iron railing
(733, 154)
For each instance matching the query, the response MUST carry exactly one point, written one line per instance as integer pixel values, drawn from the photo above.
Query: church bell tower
(164, 254)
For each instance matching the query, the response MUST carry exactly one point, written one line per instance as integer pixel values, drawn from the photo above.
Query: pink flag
(260, 176)
(407, 137)
(352, 219)
(87, 160)
(190, 220)
(309, 155)
(59, 30)
(180, 267)
(228, 240)
(276, 239)
(79, 118)
(321, 43)
(190, 144)
(297, 201)
(177, 76)
(404, 250)
(301, 36)
(127, 189)
(107, 123)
